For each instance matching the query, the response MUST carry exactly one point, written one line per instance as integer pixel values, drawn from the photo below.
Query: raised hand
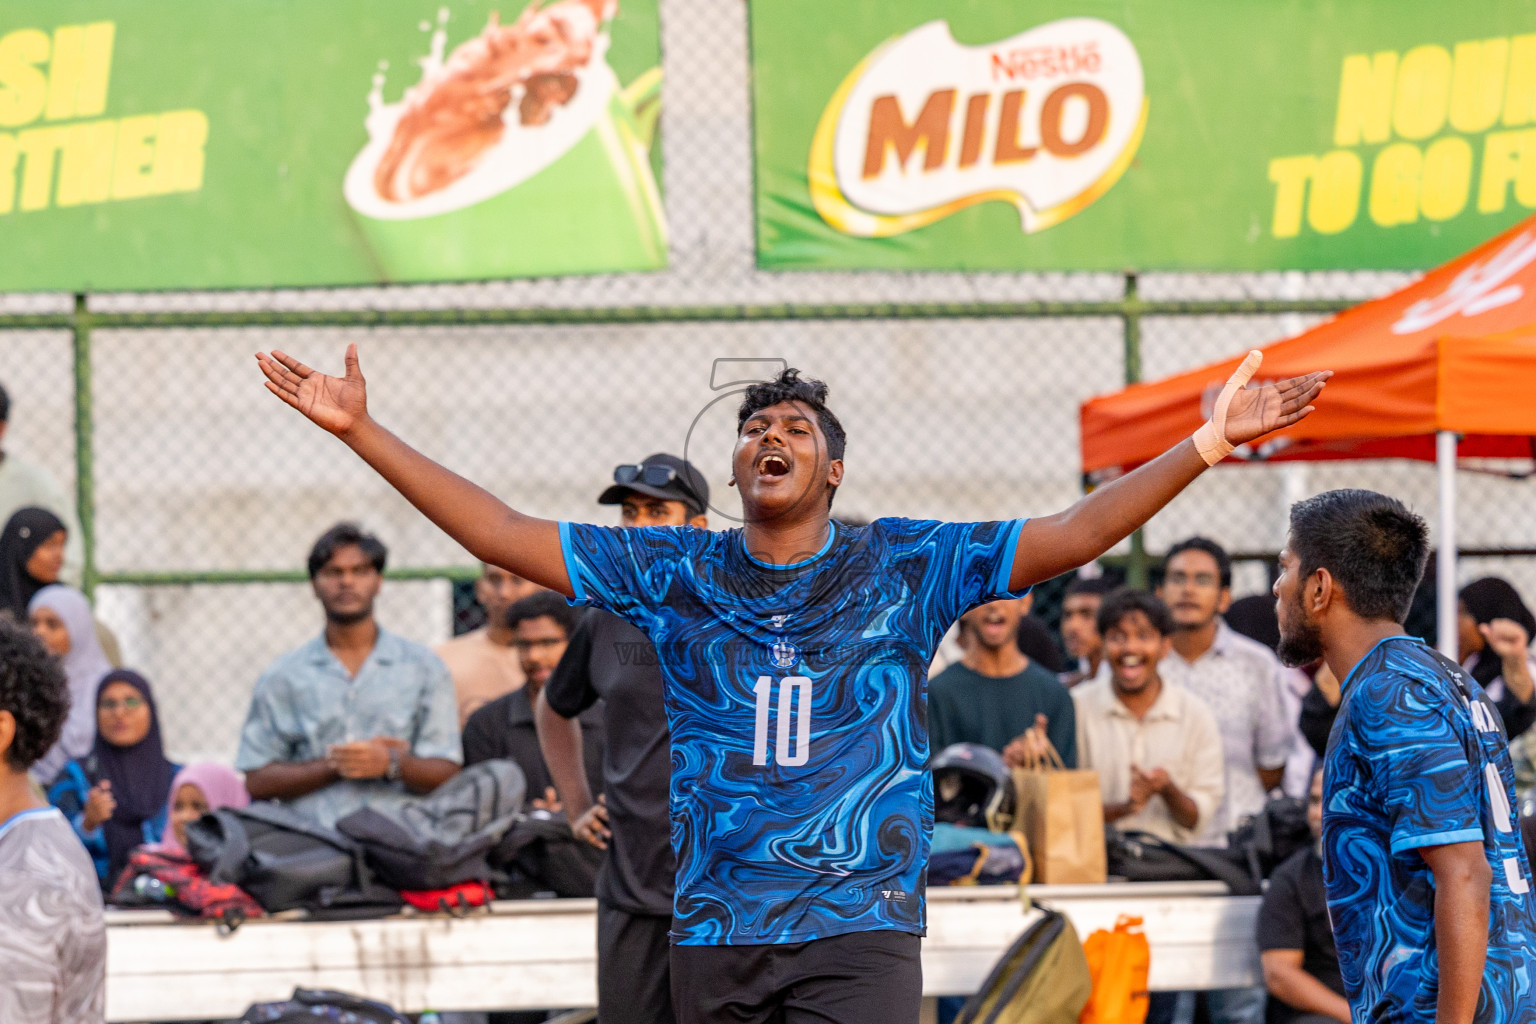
(335, 403)
(1507, 638)
(99, 806)
(1256, 411)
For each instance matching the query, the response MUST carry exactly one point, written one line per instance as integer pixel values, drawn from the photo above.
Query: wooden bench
(541, 953)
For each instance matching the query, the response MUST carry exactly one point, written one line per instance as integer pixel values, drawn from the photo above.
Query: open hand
(1256, 411)
(335, 403)
(550, 801)
(99, 806)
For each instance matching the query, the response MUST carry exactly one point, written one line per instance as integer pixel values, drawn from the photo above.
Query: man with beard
(794, 653)
(358, 715)
(1428, 884)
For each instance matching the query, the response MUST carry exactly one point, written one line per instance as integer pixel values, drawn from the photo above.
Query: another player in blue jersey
(1428, 886)
(794, 653)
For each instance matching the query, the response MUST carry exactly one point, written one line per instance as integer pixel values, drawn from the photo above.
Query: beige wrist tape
(1211, 439)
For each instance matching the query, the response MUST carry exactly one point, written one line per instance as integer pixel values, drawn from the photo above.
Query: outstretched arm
(1051, 545)
(486, 526)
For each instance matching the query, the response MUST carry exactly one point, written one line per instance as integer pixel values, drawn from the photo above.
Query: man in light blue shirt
(357, 716)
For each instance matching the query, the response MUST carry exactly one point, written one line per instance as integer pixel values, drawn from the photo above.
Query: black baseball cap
(659, 476)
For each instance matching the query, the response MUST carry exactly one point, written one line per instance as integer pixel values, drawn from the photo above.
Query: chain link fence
(201, 493)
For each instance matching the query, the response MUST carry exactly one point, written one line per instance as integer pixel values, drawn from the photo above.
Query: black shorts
(862, 978)
(633, 967)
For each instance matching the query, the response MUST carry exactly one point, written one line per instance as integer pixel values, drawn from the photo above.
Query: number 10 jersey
(797, 695)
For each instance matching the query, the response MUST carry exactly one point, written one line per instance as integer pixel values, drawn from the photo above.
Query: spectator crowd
(1174, 697)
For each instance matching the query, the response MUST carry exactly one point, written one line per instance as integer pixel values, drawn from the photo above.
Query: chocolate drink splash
(454, 116)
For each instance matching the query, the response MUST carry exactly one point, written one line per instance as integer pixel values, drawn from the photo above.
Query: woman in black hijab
(31, 555)
(1507, 676)
(116, 796)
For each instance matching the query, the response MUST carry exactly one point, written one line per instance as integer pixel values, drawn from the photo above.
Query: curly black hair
(34, 691)
(789, 386)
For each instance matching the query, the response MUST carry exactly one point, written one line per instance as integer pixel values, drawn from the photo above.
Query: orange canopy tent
(1446, 366)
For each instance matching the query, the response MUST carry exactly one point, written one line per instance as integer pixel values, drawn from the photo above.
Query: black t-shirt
(1294, 915)
(504, 729)
(611, 660)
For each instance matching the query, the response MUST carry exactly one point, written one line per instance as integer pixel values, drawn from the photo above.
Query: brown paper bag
(1062, 814)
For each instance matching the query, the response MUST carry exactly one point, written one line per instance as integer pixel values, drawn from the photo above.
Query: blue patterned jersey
(1418, 758)
(800, 803)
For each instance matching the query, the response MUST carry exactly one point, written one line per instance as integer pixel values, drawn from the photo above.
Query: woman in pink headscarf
(196, 790)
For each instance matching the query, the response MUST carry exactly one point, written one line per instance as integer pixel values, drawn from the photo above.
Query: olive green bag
(1042, 979)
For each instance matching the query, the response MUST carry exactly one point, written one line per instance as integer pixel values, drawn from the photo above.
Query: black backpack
(285, 861)
(309, 1006)
(1143, 857)
(442, 839)
(1268, 839)
(539, 854)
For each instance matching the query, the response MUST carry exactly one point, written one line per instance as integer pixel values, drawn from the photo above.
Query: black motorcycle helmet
(973, 786)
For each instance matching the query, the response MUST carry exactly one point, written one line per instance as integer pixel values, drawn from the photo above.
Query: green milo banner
(252, 143)
(1131, 134)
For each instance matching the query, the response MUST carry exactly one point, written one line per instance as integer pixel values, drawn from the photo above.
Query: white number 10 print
(794, 716)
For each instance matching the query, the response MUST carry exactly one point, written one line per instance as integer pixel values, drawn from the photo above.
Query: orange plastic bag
(1119, 962)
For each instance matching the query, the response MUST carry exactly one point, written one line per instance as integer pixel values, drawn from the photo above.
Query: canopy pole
(1445, 576)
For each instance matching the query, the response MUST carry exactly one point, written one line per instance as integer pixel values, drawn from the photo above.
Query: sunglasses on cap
(650, 476)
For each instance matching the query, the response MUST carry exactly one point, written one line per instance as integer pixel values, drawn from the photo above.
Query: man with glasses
(612, 661)
(358, 716)
(1240, 681)
(794, 653)
(542, 625)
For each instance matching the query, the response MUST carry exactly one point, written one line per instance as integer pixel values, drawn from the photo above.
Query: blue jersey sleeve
(956, 566)
(1433, 796)
(624, 570)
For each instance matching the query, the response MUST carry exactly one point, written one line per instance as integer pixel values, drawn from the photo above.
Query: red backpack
(160, 878)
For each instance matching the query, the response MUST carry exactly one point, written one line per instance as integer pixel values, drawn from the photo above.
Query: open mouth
(773, 465)
(1131, 665)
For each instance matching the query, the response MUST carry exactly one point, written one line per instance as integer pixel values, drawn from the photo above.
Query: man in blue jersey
(1428, 885)
(794, 653)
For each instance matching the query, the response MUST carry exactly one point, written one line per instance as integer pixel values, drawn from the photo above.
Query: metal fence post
(1136, 567)
(85, 482)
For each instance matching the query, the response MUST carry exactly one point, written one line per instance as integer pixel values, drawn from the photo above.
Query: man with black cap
(611, 660)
